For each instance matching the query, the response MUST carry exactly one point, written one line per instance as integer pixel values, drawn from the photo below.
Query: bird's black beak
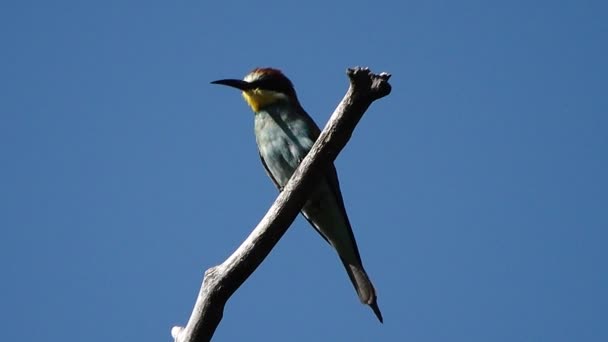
(238, 84)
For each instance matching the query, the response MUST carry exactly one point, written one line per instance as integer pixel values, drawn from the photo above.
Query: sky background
(477, 190)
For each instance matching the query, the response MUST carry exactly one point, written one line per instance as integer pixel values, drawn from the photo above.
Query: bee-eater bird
(284, 134)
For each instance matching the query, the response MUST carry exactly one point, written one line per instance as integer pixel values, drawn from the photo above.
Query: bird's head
(263, 87)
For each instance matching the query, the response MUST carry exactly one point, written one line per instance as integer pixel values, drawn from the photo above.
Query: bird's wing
(279, 187)
(331, 175)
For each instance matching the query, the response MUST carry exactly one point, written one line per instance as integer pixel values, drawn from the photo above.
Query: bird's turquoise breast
(284, 138)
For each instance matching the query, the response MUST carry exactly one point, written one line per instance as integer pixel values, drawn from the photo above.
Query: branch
(223, 280)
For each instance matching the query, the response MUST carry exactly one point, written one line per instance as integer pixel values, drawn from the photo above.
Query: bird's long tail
(363, 285)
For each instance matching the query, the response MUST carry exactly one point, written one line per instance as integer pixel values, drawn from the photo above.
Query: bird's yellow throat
(258, 98)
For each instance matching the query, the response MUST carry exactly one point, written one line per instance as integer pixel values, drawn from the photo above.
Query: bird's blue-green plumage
(284, 135)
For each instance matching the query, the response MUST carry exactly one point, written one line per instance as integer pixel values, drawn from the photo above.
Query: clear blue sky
(477, 190)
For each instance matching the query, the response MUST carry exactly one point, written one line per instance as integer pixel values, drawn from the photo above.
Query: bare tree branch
(221, 281)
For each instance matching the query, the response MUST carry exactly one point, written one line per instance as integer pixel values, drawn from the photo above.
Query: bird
(284, 134)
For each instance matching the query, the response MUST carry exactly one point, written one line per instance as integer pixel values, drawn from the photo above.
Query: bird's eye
(264, 84)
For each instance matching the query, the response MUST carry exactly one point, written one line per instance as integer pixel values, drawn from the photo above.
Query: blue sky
(477, 190)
